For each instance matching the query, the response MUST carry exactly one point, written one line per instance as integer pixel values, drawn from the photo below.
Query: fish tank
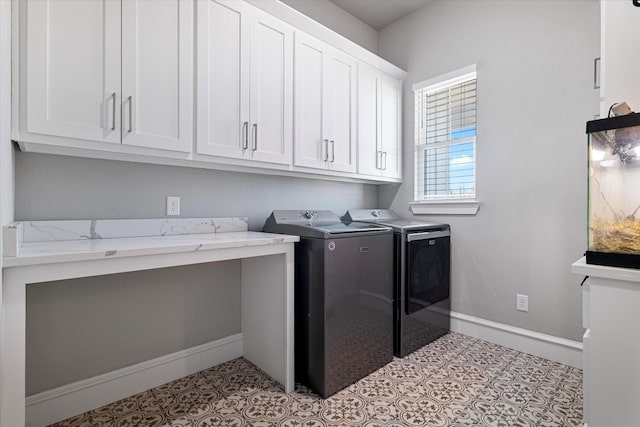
(614, 191)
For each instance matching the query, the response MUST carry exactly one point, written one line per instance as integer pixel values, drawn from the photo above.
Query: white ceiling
(380, 13)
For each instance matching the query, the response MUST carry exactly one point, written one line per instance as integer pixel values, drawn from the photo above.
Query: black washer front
(423, 310)
(343, 297)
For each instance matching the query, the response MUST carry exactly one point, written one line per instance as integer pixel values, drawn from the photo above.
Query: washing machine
(343, 297)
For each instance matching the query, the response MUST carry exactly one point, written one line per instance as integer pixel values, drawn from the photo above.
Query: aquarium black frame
(613, 259)
(612, 123)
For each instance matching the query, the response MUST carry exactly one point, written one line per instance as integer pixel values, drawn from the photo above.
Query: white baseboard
(559, 350)
(72, 399)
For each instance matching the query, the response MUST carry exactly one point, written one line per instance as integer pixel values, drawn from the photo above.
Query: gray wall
(535, 93)
(59, 187)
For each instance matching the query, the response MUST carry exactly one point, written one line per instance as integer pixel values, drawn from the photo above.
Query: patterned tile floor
(454, 381)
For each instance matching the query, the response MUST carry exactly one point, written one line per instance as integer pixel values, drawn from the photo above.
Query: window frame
(445, 205)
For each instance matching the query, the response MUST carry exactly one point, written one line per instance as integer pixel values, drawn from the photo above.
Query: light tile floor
(454, 381)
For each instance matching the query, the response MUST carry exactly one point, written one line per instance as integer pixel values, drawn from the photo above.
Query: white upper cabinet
(390, 123)
(620, 67)
(157, 70)
(325, 93)
(204, 83)
(271, 91)
(311, 142)
(108, 71)
(379, 123)
(341, 113)
(368, 141)
(222, 77)
(245, 83)
(73, 81)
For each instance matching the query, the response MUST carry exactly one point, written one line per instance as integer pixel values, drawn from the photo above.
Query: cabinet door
(586, 377)
(157, 84)
(340, 111)
(368, 141)
(72, 69)
(271, 89)
(310, 135)
(390, 127)
(222, 77)
(620, 32)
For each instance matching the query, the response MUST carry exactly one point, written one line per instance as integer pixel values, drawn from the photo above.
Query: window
(445, 138)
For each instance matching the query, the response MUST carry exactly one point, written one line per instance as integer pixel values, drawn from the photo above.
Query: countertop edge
(142, 246)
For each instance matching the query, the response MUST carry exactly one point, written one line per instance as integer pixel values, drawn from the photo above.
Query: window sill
(448, 207)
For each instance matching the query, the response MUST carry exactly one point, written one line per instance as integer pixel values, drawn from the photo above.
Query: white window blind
(445, 138)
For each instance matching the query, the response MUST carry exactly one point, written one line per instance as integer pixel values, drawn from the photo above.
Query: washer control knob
(375, 213)
(310, 214)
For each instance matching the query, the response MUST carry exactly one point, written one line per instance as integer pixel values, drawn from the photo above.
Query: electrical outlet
(522, 302)
(173, 205)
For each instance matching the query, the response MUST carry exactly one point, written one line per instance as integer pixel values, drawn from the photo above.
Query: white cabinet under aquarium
(614, 191)
(611, 345)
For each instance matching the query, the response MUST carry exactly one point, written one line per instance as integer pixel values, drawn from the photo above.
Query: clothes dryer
(422, 277)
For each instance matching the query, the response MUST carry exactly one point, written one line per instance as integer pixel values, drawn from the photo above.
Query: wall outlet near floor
(173, 205)
(522, 302)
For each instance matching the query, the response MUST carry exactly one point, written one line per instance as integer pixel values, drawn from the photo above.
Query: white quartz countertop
(615, 273)
(48, 242)
(78, 250)
(32, 253)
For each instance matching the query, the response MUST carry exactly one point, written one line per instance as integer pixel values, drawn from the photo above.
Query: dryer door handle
(427, 235)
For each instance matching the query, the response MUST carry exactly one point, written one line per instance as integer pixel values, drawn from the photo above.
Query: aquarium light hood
(611, 123)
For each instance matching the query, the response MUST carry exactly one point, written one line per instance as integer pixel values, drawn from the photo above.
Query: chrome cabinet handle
(113, 111)
(333, 151)
(326, 150)
(130, 99)
(384, 168)
(255, 137)
(245, 135)
(596, 73)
